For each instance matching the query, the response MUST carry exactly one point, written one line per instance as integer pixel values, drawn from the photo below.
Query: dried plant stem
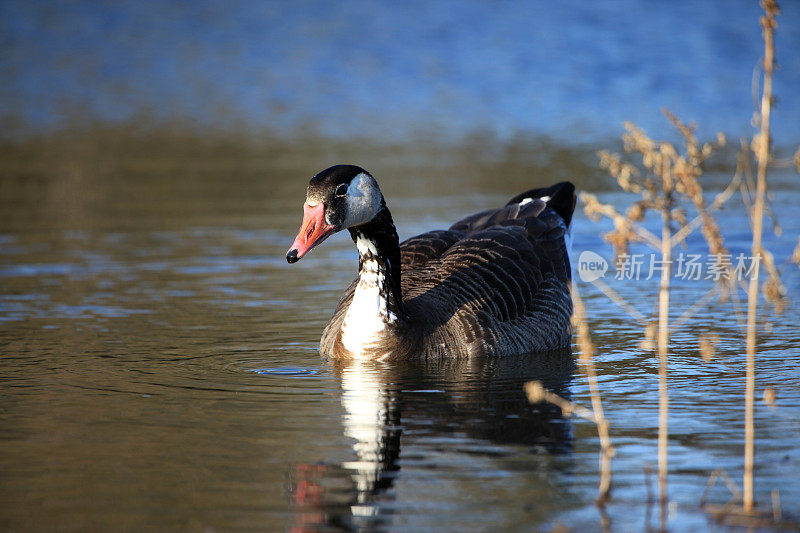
(620, 301)
(718, 473)
(737, 306)
(623, 224)
(663, 343)
(776, 505)
(537, 393)
(762, 156)
(587, 358)
(699, 304)
(697, 221)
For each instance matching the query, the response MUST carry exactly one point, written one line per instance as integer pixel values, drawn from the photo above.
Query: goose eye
(341, 190)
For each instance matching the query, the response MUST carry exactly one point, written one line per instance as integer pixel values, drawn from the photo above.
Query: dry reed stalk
(536, 392)
(687, 170)
(776, 505)
(666, 175)
(680, 172)
(587, 358)
(663, 178)
(761, 144)
(663, 339)
(732, 514)
(663, 336)
(736, 494)
(620, 301)
(696, 306)
(625, 228)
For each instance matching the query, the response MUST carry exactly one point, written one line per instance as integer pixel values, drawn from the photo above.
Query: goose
(496, 283)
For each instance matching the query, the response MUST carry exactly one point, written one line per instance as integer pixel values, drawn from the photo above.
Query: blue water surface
(572, 70)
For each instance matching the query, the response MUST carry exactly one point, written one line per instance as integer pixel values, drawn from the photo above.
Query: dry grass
(761, 145)
(664, 178)
(536, 392)
(666, 181)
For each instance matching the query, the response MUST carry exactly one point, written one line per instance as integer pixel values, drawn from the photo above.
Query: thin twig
(587, 358)
(663, 341)
(776, 505)
(620, 301)
(689, 313)
(762, 145)
(697, 221)
(536, 393)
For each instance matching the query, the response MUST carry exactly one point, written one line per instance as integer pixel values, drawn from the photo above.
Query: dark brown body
(496, 283)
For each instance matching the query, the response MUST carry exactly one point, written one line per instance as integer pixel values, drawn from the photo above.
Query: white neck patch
(363, 200)
(368, 314)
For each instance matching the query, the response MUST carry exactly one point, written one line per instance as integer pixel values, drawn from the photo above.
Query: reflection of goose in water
(478, 406)
(372, 420)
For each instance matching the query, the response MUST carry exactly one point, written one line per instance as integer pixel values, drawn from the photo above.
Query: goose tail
(559, 197)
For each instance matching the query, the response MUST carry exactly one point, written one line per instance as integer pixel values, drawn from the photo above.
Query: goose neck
(379, 259)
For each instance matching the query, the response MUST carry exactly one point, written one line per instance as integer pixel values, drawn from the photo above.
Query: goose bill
(313, 231)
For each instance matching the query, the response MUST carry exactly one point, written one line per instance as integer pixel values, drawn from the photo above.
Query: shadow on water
(477, 406)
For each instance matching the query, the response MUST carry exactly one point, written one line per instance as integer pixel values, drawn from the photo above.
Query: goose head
(340, 197)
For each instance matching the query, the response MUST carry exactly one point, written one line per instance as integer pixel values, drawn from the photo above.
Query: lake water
(160, 371)
(383, 69)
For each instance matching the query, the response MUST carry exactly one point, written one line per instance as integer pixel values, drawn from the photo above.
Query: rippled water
(159, 372)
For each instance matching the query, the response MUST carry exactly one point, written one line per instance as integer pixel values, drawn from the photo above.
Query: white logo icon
(591, 266)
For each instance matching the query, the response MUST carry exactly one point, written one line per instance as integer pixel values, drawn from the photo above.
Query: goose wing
(502, 288)
(420, 249)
